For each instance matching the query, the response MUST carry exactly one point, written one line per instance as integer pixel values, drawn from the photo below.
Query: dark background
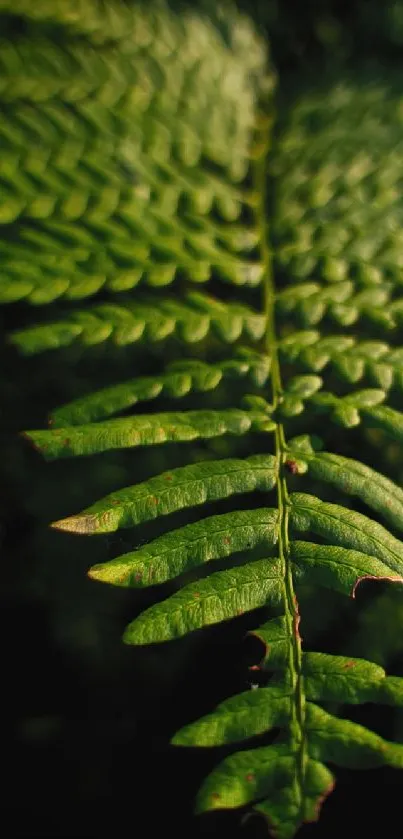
(86, 721)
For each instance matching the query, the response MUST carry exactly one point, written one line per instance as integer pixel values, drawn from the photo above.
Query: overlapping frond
(147, 318)
(351, 359)
(337, 173)
(179, 379)
(125, 165)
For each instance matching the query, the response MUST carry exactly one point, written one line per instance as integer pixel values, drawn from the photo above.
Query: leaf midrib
(297, 739)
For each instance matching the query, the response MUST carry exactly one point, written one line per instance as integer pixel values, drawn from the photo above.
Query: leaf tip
(76, 524)
(132, 636)
(177, 739)
(204, 803)
(100, 573)
(29, 436)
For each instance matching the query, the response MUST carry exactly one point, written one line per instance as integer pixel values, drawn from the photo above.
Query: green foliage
(339, 568)
(178, 551)
(350, 359)
(136, 148)
(146, 430)
(345, 527)
(145, 319)
(180, 379)
(222, 595)
(337, 204)
(355, 478)
(123, 164)
(187, 486)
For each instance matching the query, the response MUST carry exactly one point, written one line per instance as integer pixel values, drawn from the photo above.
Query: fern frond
(352, 477)
(181, 378)
(145, 319)
(186, 486)
(341, 569)
(122, 155)
(89, 17)
(311, 302)
(267, 774)
(146, 430)
(336, 170)
(342, 526)
(350, 359)
(327, 679)
(222, 595)
(142, 178)
(386, 419)
(178, 551)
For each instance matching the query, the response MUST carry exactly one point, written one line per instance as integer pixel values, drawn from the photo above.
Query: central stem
(296, 727)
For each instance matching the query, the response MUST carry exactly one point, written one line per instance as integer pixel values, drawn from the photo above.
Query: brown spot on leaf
(227, 540)
(155, 500)
(168, 478)
(115, 501)
(348, 664)
(291, 466)
(196, 594)
(250, 777)
(138, 577)
(66, 442)
(215, 796)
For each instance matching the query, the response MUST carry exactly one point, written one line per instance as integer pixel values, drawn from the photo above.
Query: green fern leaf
(187, 486)
(336, 173)
(387, 419)
(238, 718)
(222, 595)
(352, 360)
(339, 568)
(180, 379)
(349, 411)
(193, 545)
(146, 319)
(330, 678)
(346, 528)
(355, 478)
(146, 430)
